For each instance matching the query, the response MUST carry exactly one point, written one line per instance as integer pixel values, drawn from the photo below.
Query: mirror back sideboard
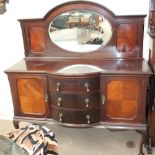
(102, 84)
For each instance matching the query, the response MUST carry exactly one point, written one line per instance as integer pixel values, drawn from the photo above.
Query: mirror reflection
(80, 31)
(79, 68)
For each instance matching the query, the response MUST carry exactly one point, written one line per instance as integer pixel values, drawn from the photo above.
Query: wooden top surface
(107, 66)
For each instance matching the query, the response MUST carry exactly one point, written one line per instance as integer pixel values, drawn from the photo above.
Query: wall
(11, 43)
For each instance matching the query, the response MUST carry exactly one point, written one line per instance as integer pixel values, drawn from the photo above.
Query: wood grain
(122, 99)
(31, 96)
(37, 39)
(126, 37)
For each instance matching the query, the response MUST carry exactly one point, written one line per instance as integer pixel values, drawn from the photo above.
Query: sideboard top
(106, 67)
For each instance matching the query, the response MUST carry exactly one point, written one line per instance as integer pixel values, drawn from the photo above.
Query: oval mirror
(80, 31)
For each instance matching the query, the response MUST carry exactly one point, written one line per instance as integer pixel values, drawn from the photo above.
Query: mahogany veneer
(37, 39)
(114, 97)
(76, 101)
(31, 102)
(126, 37)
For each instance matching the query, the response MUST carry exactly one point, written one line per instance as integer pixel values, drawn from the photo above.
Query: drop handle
(59, 101)
(87, 101)
(46, 98)
(103, 99)
(58, 86)
(60, 117)
(88, 119)
(87, 87)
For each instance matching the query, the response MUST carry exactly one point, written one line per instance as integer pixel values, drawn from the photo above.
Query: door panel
(31, 95)
(122, 99)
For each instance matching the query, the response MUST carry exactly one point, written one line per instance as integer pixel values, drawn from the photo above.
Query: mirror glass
(80, 31)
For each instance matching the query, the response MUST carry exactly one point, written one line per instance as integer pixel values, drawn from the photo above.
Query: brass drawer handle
(87, 87)
(103, 99)
(46, 98)
(88, 119)
(58, 86)
(60, 117)
(59, 101)
(87, 102)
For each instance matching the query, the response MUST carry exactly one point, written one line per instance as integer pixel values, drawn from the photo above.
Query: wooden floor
(90, 141)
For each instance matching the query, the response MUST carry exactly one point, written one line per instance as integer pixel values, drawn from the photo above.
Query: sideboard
(83, 67)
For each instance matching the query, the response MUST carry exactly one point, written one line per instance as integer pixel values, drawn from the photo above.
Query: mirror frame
(38, 43)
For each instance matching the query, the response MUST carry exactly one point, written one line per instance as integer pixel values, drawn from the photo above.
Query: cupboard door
(31, 95)
(124, 100)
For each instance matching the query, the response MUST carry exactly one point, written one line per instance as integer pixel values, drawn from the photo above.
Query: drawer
(76, 101)
(76, 117)
(57, 84)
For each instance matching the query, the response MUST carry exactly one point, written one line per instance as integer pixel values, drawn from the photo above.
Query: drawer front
(76, 117)
(76, 84)
(76, 101)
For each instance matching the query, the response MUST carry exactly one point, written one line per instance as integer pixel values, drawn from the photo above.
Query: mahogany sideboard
(83, 67)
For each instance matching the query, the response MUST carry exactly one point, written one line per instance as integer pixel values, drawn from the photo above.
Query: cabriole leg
(148, 142)
(143, 137)
(149, 148)
(16, 124)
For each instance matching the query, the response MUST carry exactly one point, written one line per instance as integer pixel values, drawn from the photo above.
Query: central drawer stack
(75, 100)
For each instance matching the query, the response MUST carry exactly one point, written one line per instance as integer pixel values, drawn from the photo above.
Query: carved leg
(148, 142)
(143, 137)
(16, 124)
(149, 148)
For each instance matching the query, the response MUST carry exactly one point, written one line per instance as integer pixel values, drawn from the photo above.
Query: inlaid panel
(126, 37)
(37, 39)
(31, 95)
(122, 99)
